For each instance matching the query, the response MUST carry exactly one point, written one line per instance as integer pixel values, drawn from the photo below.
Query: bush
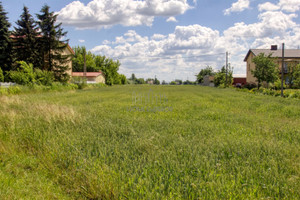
(44, 77)
(1, 75)
(250, 86)
(80, 82)
(14, 90)
(19, 77)
(277, 85)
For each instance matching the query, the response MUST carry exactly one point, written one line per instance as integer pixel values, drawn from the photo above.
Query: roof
(288, 53)
(88, 74)
(239, 75)
(39, 36)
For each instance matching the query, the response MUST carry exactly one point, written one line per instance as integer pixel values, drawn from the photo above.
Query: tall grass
(213, 144)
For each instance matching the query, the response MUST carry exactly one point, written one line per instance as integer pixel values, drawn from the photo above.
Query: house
(208, 81)
(291, 56)
(92, 77)
(239, 79)
(67, 51)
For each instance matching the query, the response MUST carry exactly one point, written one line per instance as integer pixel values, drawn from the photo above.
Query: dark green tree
(265, 69)
(52, 45)
(6, 58)
(156, 81)
(25, 40)
(203, 72)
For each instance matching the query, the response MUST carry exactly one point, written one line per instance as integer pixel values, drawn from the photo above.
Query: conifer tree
(25, 40)
(51, 45)
(5, 42)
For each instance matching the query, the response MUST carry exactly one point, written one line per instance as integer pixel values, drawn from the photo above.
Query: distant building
(208, 81)
(291, 56)
(92, 77)
(239, 79)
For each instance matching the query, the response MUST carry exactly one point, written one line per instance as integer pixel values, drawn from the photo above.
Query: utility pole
(226, 68)
(282, 69)
(84, 63)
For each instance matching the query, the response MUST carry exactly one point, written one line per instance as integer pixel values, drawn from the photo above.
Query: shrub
(19, 77)
(80, 82)
(277, 85)
(14, 90)
(250, 86)
(3, 91)
(1, 75)
(44, 77)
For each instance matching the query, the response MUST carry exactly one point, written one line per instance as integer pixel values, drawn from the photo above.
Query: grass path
(108, 143)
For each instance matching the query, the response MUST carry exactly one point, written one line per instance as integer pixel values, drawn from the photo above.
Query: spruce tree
(51, 45)
(5, 42)
(25, 40)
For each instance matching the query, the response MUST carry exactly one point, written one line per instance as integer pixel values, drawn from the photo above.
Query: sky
(172, 39)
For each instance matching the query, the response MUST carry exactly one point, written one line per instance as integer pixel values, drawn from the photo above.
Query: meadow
(149, 142)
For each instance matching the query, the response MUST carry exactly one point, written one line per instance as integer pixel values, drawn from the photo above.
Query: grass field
(149, 142)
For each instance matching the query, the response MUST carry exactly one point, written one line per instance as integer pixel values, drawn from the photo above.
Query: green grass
(90, 144)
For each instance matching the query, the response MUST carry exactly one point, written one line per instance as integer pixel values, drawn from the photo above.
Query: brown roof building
(291, 56)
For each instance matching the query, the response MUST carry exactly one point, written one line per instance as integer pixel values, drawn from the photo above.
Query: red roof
(88, 74)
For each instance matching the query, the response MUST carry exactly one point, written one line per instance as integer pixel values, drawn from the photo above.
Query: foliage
(296, 76)
(51, 45)
(123, 79)
(1, 75)
(265, 69)
(215, 144)
(26, 40)
(173, 83)
(81, 82)
(95, 63)
(250, 86)
(140, 81)
(27, 75)
(220, 77)
(24, 75)
(203, 72)
(156, 81)
(44, 77)
(6, 58)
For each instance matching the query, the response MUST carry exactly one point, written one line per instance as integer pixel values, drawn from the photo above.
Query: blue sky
(172, 39)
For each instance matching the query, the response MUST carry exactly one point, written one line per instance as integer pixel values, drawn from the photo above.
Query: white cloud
(105, 13)
(171, 19)
(289, 5)
(81, 41)
(268, 7)
(283, 5)
(238, 6)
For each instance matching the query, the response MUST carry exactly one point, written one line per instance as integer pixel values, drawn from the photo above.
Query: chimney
(273, 47)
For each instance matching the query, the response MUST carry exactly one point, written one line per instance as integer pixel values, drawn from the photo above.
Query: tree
(25, 40)
(265, 69)
(110, 70)
(296, 74)
(51, 45)
(293, 73)
(156, 81)
(220, 77)
(203, 72)
(140, 81)
(6, 58)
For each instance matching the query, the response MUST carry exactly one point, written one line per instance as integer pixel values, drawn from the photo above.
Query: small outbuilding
(92, 77)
